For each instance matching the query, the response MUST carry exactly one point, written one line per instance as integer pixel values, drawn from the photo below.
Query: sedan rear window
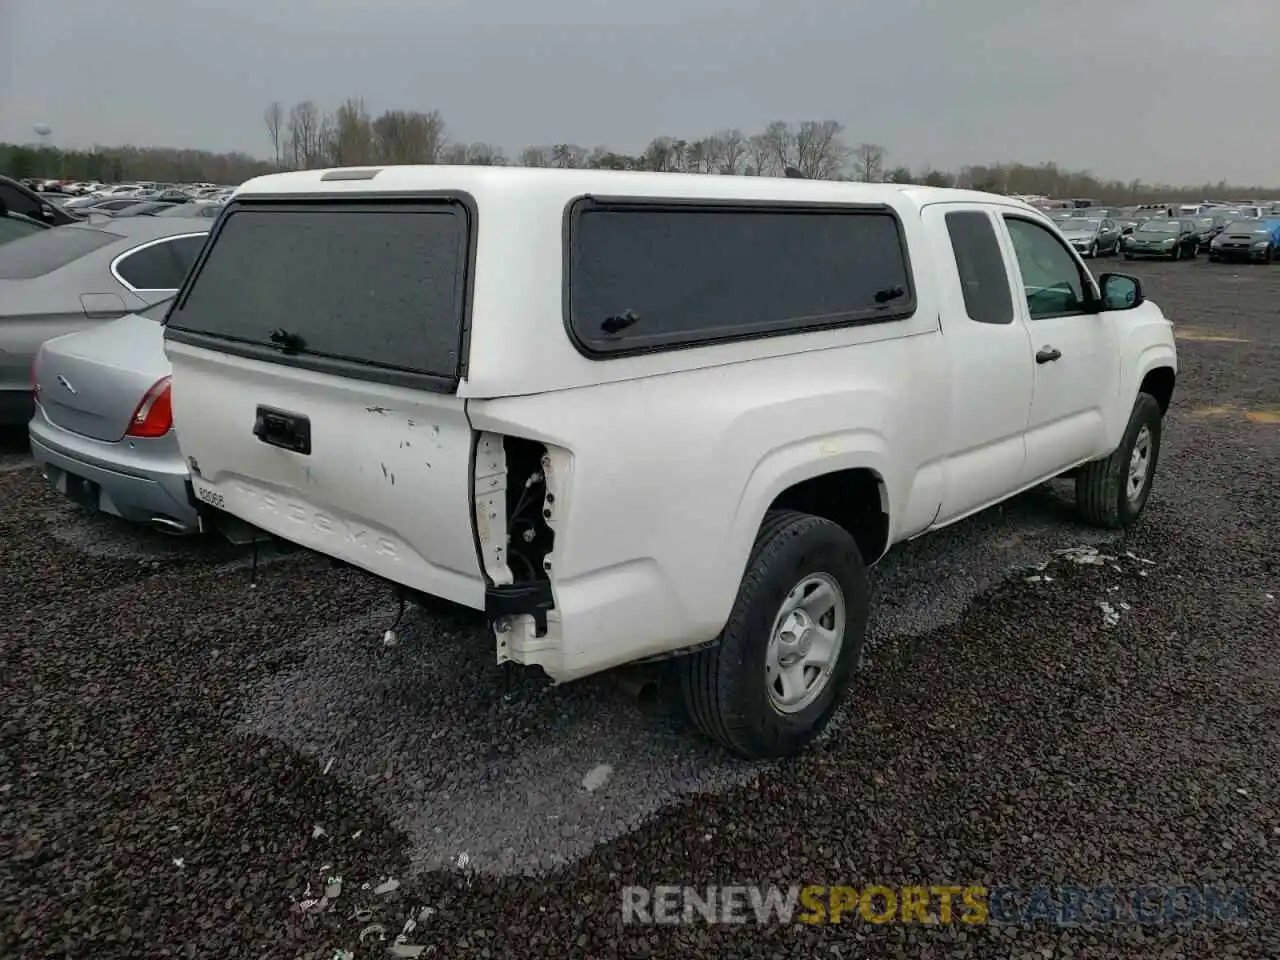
(42, 253)
(376, 285)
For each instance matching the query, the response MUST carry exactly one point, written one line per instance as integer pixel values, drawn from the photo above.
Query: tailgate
(376, 475)
(316, 350)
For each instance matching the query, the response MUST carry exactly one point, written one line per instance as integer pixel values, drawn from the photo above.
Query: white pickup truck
(636, 415)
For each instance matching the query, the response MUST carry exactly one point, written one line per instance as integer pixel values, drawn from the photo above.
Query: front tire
(1128, 256)
(1113, 492)
(794, 635)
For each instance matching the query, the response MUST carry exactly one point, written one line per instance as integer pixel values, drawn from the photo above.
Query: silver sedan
(72, 277)
(103, 425)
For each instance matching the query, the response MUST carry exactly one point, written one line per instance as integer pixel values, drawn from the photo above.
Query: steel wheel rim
(1139, 464)
(805, 643)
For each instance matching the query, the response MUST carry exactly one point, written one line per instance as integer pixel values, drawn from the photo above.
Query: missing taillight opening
(154, 415)
(530, 538)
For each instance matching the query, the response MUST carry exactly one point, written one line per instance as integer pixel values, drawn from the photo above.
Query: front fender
(1146, 344)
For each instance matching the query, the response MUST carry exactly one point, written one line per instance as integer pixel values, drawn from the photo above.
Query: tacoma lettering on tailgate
(354, 536)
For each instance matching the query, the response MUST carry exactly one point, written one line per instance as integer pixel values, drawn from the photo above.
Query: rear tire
(1113, 492)
(1128, 256)
(737, 691)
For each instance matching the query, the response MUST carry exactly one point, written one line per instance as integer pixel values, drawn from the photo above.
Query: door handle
(1047, 355)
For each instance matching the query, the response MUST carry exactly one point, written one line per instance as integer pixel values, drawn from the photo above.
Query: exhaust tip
(170, 526)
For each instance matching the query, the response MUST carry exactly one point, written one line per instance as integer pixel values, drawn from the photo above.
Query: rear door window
(649, 275)
(381, 285)
(49, 250)
(162, 265)
(983, 277)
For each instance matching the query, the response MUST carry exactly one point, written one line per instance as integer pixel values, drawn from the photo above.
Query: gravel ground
(187, 757)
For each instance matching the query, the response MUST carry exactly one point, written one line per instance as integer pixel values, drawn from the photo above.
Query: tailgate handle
(279, 428)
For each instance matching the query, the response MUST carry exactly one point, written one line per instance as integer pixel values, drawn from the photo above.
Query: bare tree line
(304, 135)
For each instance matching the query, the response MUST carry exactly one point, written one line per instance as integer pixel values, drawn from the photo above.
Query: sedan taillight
(154, 415)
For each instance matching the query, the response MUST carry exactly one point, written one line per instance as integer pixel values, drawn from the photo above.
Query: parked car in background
(59, 281)
(102, 431)
(1206, 229)
(141, 208)
(110, 205)
(1174, 239)
(1253, 240)
(22, 199)
(196, 209)
(165, 196)
(1091, 236)
(118, 190)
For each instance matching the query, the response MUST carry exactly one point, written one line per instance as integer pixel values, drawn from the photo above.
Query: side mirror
(1120, 291)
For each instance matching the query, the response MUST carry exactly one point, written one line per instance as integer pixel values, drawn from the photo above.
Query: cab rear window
(379, 286)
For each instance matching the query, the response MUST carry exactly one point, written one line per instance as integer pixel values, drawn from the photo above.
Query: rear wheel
(1128, 256)
(772, 682)
(1112, 492)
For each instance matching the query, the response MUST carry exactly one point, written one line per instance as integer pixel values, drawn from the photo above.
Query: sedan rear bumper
(144, 484)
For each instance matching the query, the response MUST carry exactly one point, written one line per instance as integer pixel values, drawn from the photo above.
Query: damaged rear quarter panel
(669, 477)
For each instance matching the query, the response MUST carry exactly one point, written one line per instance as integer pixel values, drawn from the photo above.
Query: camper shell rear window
(653, 274)
(376, 288)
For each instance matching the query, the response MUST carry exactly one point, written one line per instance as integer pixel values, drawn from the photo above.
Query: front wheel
(1093, 250)
(1112, 492)
(1128, 256)
(774, 678)
(1177, 254)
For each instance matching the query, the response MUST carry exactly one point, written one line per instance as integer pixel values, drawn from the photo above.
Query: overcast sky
(1173, 90)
